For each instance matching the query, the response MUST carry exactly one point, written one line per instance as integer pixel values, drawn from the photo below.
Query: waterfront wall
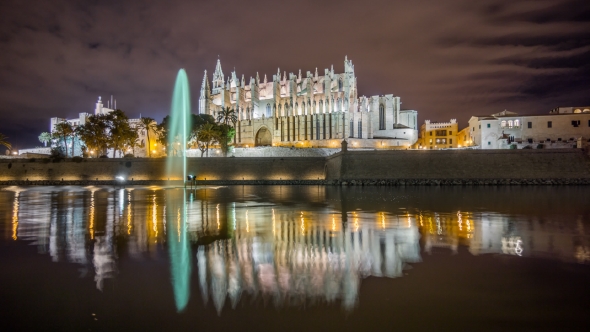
(142, 169)
(368, 167)
(459, 164)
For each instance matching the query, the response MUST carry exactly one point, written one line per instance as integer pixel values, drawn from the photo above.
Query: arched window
(510, 123)
(517, 123)
(340, 85)
(315, 110)
(321, 107)
(503, 123)
(280, 109)
(337, 106)
(360, 130)
(297, 108)
(268, 111)
(381, 117)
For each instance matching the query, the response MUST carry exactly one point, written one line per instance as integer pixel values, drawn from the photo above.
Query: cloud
(448, 59)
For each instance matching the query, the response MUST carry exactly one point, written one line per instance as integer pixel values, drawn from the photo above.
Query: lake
(295, 258)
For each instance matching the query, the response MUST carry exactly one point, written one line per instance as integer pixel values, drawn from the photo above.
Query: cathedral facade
(311, 111)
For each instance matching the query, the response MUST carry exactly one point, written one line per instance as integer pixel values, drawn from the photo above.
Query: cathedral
(309, 111)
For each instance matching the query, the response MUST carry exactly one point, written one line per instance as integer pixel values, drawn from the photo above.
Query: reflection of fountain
(178, 129)
(176, 203)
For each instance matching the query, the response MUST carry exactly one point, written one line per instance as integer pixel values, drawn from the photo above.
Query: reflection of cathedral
(304, 258)
(311, 110)
(289, 254)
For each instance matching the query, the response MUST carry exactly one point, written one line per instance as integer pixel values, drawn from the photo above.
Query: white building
(140, 151)
(563, 127)
(318, 111)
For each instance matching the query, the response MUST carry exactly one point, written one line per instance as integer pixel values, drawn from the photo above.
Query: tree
(4, 142)
(45, 138)
(63, 131)
(148, 124)
(132, 140)
(206, 136)
(120, 132)
(94, 133)
(225, 134)
(227, 115)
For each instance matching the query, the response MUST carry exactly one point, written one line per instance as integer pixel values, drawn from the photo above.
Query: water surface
(294, 258)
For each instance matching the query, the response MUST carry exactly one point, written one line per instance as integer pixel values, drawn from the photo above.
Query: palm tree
(45, 138)
(227, 115)
(148, 124)
(206, 135)
(4, 142)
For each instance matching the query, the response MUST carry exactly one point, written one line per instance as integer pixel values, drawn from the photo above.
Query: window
(479, 126)
(360, 131)
(503, 123)
(381, 117)
(530, 125)
(510, 124)
(268, 113)
(559, 139)
(489, 143)
(473, 129)
(450, 133)
(575, 123)
(450, 141)
(431, 141)
(517, 123)
(441, 133)
(351, 129)
(530, 140)
(549, 124)
(430, 133)
(489, 125)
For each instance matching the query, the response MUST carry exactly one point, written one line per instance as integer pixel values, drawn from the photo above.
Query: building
(309, 111)
(139, 151)
(563, 127)
(438, 135)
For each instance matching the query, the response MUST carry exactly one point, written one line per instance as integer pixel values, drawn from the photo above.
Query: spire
(257, 79)
(284, 75)
(243, 83)
(265, 79)
(299, 76)
(205, 84)
(332, 69)
(316, 72)
(218, 75)
(278, 74)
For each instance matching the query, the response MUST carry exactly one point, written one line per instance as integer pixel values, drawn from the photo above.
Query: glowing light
(178, 223)
(421, 223)
(302, 224)
(383, 220)
(333, 224)
(129, 213)
(459, 221)
(247, 223)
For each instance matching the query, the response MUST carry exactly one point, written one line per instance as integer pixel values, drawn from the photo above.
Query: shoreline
(342, 183)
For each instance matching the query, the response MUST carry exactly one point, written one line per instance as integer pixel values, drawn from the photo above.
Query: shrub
(77, 159)
(129, 155)
(103, 156)
(539, 146)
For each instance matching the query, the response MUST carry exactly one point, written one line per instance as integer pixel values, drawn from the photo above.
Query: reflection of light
(438, 225)
(91, 223)
(430, 225)
(421, 223)
(129, 214)
(459, 221)
(383, 220)
(15, 216)
(302, 224)
(468, 225)
(178, 223)
(273, 222)
(154, 220)
(333, 224)
(218, 224)
(247, 223)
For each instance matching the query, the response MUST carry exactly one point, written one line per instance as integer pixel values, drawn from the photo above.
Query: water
(293, 258)
(178, 128)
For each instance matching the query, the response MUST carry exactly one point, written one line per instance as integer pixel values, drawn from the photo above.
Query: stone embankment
(352, 168)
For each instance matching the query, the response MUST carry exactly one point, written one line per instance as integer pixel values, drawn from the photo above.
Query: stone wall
(140, 169)
(459, 164)
(452, 165)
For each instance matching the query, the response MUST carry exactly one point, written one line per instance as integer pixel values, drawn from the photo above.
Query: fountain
(176, 212)
(178, 129)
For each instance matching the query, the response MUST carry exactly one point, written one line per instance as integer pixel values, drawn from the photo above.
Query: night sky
(445, 59)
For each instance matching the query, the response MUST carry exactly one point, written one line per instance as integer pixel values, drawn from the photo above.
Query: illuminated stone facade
(563, 127)
(438, 135)
(311, 110)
